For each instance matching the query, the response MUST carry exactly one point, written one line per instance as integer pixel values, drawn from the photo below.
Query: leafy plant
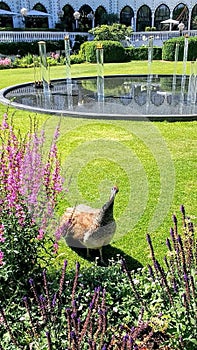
(169, 47)
(113, 51)
(114, 32)
(112, 307)
(30, 183)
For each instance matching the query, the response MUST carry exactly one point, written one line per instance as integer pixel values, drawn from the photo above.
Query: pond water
(125, 96)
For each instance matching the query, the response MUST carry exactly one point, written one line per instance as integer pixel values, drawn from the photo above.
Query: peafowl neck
(107, 213)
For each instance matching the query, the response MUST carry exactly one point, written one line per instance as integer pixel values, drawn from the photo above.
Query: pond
(155, 97)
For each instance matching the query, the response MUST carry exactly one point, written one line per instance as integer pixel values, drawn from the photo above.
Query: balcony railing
(29, 36)
(141, 38)
(137, 38)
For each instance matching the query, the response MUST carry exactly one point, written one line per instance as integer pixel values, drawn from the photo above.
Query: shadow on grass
(109, 253)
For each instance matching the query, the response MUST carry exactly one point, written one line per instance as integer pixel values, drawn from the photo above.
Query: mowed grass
(154, 165)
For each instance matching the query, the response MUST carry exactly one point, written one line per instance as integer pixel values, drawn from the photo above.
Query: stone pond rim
(130, 97)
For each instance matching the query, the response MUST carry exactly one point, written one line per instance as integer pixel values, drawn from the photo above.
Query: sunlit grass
(99, 153)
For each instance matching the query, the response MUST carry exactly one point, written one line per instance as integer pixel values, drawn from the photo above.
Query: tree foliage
(115, 32)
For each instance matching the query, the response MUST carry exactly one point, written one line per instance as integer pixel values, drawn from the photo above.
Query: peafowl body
(89, 227)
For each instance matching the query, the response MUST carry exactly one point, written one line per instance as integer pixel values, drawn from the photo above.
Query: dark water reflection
(123, 96)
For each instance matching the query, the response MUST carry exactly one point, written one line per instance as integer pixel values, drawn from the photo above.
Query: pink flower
(1, 257)
(4, 124)
(55, 247)
(2, 239)
(5, 61)
(40, 235)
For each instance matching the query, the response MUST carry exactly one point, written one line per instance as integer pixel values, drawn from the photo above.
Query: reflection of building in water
(124, 95)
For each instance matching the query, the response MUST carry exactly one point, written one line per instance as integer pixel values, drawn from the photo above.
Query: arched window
(85, 22)
(194, 18)
(143, 18)
(126, 15)
(5, 21)
(37, 21)
(181, 14)
(161, 14)
(100, 15)
(67, 20)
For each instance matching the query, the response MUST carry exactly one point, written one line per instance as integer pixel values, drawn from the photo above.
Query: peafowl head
(114, 191)
(109, 204)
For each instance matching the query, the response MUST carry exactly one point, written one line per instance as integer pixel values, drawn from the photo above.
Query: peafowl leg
(88, 253)
(101, 256)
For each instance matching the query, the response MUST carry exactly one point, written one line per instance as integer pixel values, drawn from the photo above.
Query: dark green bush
(141, 53)
(23, 48)
(76, 59)
(79, 39)
(113, 51)
(169, 46)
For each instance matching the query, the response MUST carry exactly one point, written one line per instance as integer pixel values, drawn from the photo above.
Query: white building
(77, 14)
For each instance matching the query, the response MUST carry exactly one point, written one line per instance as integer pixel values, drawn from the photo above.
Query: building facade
(78, 15)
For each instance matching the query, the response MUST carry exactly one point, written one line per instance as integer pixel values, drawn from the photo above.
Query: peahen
(89, 227)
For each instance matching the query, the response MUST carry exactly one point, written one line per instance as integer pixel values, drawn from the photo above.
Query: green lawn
(154, 165)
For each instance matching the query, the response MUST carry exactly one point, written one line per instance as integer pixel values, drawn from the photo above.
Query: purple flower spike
(171, 232)
(174, 219)
(72, 335)
(91, 305)
(54, 300)
(31, 281)
(125, 338)
(175, 286)
(186, 279)
(150, 271)
(100, 312)
(148, 238)
(68, 311)
(74, 304)
(104, 347)
(168, 244)
(182, 208)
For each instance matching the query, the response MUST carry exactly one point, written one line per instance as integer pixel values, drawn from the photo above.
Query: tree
(115, 32)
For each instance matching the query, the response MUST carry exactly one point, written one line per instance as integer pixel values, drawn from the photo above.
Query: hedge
(141, 53)
(23, 48)
(169, 47)
(113, 51)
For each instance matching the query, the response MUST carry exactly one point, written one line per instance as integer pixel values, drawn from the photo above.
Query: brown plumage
(89, 227)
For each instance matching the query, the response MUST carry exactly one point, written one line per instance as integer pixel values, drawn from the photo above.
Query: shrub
(169, 47)
(113, 51)
(141, 53)
(30, 184)
(79, 39)
(23, 48)
(74, 59)
(114, 32)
